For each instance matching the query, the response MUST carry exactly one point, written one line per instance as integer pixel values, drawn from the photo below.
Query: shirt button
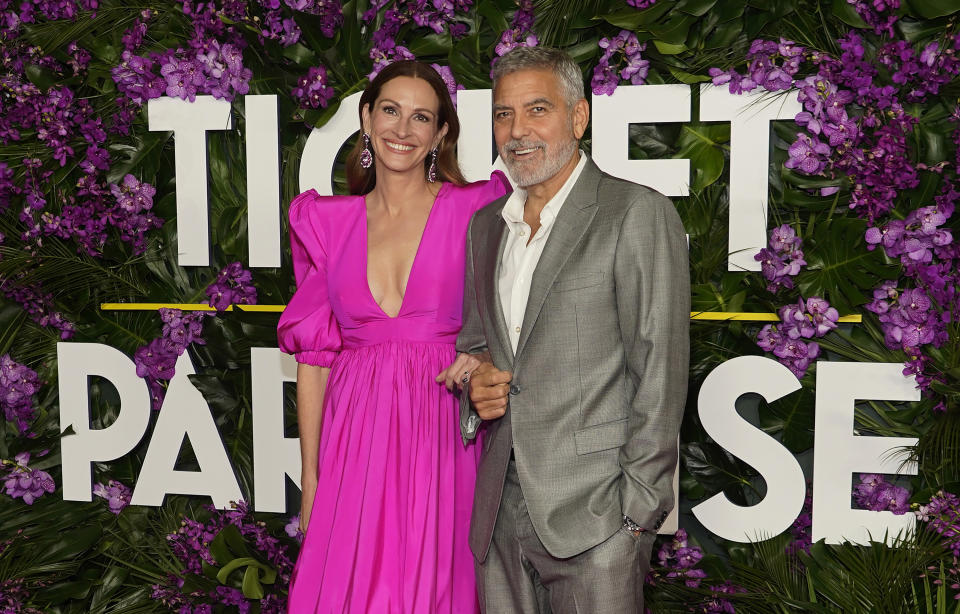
(514, 389)
(517, 329)
(523, 233)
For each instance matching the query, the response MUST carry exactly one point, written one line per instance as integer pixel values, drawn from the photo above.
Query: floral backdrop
(863, 182)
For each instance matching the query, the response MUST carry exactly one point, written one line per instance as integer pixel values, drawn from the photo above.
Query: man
(578, 288)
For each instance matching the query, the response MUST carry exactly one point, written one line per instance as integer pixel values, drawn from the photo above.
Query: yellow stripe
(723, 316)
(753, 317)
(185, 307)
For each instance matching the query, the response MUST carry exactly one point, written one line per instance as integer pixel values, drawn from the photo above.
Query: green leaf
(675, 30)
(234, 565)
(697, 8)
(492, 13)
(252, 589)
(931, 9)
(431, 45)
(701, 144)
(72, 543)
(300, 55)
(41, 76)
(845, 12)
(632, 19)
(668, 49)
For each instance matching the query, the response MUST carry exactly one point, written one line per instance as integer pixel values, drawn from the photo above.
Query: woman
(387, 483)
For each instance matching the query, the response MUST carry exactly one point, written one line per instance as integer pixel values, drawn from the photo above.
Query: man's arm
(653, 302)
(471, 339)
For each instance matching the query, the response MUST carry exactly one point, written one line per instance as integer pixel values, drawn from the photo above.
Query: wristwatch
(632, 527)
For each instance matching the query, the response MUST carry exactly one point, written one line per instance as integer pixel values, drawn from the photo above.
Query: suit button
(514, 389)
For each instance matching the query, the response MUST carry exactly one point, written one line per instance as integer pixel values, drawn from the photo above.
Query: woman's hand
(459, 372)
(308, 492)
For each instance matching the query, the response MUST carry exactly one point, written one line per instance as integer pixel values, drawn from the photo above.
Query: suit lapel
(571, 224)
(492, 255)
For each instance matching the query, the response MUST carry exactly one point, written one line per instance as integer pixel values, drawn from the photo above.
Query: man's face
(536, 132)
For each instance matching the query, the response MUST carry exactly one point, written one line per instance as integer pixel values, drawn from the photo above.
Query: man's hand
(489, 387)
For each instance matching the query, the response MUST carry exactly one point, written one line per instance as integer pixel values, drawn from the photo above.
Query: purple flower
(25, 483)
(232, 287)
(823, 316)
(942, 515)
(292, 528)
(387, 53)
(782, 260)
(449, 80)
(132, 214)
(157, 360)
(520, 33)
(621, 59)
(808, 155)
(18, 385)
(876, 494)
(191, 546)
(38, 305)
(677, 561)
(116, 494)
(312, 89)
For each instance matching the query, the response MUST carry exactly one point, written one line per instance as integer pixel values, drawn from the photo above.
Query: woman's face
(402, 124)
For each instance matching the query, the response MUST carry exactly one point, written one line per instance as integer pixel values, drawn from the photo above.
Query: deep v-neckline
(413, 265)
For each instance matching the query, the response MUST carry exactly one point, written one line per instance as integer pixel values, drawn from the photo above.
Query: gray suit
(600, 371)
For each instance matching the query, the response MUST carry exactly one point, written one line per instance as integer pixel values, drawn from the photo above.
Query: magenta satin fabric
(388, 530)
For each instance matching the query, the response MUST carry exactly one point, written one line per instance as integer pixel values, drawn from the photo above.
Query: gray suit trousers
(519, 575)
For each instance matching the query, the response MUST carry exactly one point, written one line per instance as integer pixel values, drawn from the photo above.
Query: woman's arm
(311, 387)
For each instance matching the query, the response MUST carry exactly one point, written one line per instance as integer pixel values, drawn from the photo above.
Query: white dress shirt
(520, 258)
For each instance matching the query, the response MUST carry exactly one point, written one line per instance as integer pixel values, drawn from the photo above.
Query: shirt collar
(513, 209)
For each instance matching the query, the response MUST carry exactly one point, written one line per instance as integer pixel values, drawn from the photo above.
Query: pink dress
(388, 529)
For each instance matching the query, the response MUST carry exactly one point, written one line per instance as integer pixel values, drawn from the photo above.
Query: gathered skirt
(388, 528)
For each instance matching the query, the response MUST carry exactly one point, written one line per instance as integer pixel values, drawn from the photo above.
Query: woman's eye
(389, 110)
(421, 118)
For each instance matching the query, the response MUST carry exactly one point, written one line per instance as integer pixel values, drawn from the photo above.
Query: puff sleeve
(308, 328)
(492, 189)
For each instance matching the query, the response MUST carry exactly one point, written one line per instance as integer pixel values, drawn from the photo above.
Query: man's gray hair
(553, 60)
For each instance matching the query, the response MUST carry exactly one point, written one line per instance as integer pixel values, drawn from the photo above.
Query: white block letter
(263, 180)
(839, 453)
(749, 115)
(274, 456)
(640, 104)
(785, 484)
(75, 363)
(189, 122)
(185, 414)
(475, 112)
(320, 150)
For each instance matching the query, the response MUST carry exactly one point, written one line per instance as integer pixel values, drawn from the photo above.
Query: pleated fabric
(388, 530)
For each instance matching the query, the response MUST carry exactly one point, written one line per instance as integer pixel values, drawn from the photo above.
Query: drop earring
(432, 172)
(366, 156)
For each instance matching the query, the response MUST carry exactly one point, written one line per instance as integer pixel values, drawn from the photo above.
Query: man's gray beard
(553, 162)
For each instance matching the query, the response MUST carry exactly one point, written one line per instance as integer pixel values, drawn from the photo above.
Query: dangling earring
(432, 172)
(366, 156)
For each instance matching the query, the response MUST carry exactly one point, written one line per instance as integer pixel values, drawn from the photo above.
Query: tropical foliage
(863, 187)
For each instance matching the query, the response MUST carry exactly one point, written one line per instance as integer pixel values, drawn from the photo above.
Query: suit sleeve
(471, 339)
(653, 302)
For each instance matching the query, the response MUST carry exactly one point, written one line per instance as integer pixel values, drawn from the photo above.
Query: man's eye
(538, 109)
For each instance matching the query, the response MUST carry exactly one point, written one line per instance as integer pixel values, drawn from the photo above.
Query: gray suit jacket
(600, 371)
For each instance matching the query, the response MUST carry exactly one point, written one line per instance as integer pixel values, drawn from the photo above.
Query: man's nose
(519, 128)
